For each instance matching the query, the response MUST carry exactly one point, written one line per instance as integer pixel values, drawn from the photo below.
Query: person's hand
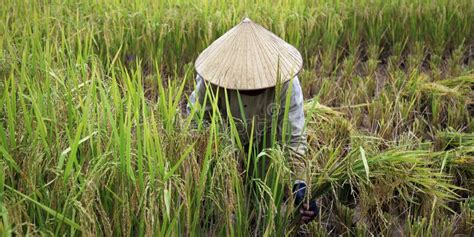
(308, 210)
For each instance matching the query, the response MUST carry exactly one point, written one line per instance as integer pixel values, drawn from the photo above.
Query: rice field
(95, 141)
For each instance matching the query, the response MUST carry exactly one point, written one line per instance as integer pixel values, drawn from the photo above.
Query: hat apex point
(246, 20)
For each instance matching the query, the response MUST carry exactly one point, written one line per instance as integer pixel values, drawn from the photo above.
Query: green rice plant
(349, 64)
(396, 55)
(389, 165)
(94, 140)
(458, 157)
(329, 54)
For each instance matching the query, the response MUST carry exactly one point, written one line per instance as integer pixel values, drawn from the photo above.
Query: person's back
(261, 110)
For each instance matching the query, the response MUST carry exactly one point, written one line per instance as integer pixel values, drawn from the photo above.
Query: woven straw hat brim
(248, 57)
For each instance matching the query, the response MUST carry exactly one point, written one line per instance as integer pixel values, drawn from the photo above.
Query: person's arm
(198, 96)
(297, 143)
(297, 147)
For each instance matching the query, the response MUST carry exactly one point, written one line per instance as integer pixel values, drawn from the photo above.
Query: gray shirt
(257, 111)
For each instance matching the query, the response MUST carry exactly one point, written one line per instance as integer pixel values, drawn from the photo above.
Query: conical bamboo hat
(248, 57)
